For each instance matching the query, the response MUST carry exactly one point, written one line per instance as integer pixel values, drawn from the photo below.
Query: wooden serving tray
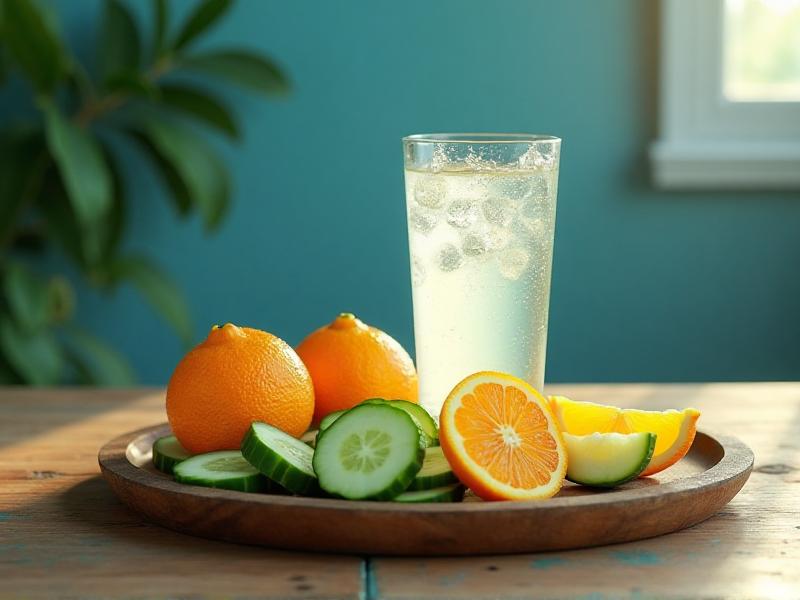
(712, 473)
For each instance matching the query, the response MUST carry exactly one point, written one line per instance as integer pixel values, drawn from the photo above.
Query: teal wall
(647, 286)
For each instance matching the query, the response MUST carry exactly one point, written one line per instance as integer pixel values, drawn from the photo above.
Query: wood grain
(751, 549)
(63, 533)
(712, 473)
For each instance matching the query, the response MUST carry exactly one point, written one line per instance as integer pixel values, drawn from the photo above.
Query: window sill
(726, 165)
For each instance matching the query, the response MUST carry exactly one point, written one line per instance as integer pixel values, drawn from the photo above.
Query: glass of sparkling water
(481, 214)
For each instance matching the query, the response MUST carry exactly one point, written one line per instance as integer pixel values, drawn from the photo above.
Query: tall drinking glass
(481, 214)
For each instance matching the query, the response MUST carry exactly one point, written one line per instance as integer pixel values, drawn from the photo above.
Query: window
(730, 95)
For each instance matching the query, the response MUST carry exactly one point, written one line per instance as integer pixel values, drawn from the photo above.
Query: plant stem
(96, 108)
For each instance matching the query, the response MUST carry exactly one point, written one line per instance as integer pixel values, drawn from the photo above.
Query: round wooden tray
(711, 474)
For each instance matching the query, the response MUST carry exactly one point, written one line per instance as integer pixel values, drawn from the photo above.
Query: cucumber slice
(607, 459)
(448, 493)
(435, 471)
(422, 417)
(168, 452)
(328, 419)
(282, 458)
(373, 451)
(225, 469)
(426, 425)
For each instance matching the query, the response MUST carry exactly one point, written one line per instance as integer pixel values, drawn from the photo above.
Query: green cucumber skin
(271, 464)
(251, 482)
(401, 481)
(447, 493)
(426, 437)
(618, 482)
(329, 419)
(422, 417)
(166, 455)
(429, 483)
(441, 478)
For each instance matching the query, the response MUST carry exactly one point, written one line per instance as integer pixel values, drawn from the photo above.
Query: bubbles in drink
(476, 243)
(499, 237)
(421, 220)
(540, 186)
(512, 190)
(417, 271)
(430, 192)
(532, 229)
(449, 258)
(481, 248)
(513, 263)
(462, 213)
(497, 211)
(536, 208)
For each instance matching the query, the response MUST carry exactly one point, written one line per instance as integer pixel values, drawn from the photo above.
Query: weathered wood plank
(64, 534)
(749, 550)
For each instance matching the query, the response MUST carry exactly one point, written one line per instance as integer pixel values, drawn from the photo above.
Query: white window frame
(705, 140)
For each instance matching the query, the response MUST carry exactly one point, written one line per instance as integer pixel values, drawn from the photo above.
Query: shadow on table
(93, 508)
(82, 538)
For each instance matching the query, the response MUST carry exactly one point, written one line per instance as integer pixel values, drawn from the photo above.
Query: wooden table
(64, 535)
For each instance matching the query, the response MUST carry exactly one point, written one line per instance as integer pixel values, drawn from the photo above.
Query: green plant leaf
(27, 296)
(3, 63)
(241, 67)
(160, 26)
(80, 84)
(37, 357)
(119, 47)
(179, 192)
(60, 299)
(203, 17)
(62, 225)
(117, 217)
(200, 105)
(33, 44)
(101, 364)
(85, 174)
(159, 290)
(30, 239)
(193, 169)
(7, 374)
(35, 302)
(23, 158)
(132, 83)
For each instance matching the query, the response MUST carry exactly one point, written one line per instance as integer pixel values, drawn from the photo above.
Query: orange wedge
(674, 429)
(501, 439)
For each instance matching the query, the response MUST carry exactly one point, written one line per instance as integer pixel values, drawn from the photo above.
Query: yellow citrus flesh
(674, 429)
(501, 439)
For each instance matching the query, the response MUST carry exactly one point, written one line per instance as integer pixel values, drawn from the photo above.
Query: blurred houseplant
(62, 181)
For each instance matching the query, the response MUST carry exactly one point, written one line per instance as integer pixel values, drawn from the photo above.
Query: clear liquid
(481, 245)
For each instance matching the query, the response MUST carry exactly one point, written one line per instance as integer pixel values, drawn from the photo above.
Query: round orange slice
(674, 429)
(501, 439)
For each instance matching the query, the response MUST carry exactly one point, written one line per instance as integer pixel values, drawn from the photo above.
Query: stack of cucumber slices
(377, 450)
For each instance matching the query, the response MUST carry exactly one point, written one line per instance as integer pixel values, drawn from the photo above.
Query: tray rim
(736, 462)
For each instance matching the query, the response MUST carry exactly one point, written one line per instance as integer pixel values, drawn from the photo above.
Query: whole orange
(350, 361)
(236, 376)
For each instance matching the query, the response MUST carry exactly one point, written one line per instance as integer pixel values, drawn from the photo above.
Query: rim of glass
(481, 138)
